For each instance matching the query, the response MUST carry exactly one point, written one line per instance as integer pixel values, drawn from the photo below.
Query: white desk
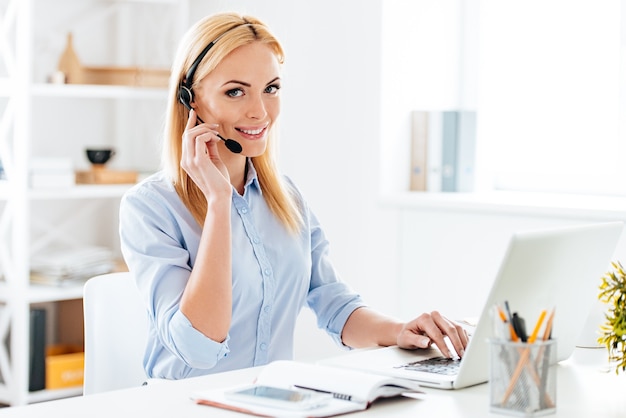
(582, 391)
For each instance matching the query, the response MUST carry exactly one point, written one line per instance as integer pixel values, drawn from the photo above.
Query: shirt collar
(252, 179)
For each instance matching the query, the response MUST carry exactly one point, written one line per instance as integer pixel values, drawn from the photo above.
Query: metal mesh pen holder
(522, 381)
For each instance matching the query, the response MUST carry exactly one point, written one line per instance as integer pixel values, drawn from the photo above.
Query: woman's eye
(234, 93)
(273, 89)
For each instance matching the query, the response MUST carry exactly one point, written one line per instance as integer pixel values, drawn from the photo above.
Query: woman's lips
(252, 133)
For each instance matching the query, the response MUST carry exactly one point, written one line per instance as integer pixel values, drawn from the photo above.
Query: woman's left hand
(431, 328)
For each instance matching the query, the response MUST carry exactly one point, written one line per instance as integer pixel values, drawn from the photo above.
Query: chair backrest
(116, 329)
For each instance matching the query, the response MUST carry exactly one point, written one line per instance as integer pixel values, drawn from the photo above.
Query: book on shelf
(348, 390)
(37, 352)
(63, 265)
(443, 147)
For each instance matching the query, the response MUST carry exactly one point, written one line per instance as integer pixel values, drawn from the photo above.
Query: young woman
(224, 248)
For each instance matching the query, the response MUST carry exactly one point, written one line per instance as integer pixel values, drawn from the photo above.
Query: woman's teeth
(251, 131)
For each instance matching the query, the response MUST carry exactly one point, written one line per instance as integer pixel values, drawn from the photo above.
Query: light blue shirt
(275, 274)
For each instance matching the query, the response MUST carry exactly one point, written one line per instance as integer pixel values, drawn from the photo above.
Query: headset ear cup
(185, 96)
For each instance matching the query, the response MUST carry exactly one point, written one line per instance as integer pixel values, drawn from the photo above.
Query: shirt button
(244, 210)
(263, 346)
(256, 240)
(267, 272)
(267, 308)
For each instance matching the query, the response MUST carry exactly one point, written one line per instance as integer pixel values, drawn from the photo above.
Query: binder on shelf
(434, 152)
(37, 358)
(419, 150)
(443, 151)
(449, 146)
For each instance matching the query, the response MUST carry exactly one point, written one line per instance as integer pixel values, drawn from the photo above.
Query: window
(549, 96)
(547, 80)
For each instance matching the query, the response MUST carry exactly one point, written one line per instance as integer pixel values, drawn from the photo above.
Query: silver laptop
(557, 268)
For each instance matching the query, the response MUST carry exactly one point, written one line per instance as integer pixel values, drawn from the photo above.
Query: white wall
(450, 257)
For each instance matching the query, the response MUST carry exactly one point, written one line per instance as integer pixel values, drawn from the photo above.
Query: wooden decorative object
(99, 175)
(76, 73)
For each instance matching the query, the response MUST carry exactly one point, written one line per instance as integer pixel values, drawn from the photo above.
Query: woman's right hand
(201, 159)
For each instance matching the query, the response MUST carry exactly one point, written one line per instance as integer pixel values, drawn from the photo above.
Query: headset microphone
(232, 145)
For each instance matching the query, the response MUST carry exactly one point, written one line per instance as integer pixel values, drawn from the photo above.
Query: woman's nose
(256, 108)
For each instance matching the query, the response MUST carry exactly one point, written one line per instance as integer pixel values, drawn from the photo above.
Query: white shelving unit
(40, 119)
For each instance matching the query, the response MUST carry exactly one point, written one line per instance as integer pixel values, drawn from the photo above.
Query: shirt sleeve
(154, 250)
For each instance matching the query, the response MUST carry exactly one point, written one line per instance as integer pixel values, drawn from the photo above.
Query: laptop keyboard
(439, 365)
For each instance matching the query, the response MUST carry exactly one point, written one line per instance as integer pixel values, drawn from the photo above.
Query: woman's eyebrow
(273, 81)
(243, 83)
(237, 82)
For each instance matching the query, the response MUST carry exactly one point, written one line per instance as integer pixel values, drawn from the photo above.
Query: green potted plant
(613, 331)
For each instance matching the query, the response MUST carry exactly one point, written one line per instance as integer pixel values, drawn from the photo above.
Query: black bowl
(99, 156)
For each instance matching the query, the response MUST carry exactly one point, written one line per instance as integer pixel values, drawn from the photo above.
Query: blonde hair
(231, 31)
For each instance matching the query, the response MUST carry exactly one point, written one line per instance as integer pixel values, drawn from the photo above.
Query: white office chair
(116, 324)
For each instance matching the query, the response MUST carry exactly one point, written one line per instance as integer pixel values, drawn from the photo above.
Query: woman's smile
(253, 133)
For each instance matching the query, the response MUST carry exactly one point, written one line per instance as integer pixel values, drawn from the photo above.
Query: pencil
(548, 330)
(546, 336)
(533, 336)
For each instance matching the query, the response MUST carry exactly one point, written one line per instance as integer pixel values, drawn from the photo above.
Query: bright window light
(547, 80)
(551, 96)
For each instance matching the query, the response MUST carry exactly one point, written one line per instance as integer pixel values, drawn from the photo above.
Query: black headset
(185, 93)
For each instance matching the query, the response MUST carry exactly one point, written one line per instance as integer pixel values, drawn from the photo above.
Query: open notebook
(557, 268)
(346, 390)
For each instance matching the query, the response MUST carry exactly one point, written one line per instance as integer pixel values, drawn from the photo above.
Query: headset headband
(188, 80)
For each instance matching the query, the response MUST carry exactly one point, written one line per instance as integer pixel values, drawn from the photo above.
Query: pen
(508, 310)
